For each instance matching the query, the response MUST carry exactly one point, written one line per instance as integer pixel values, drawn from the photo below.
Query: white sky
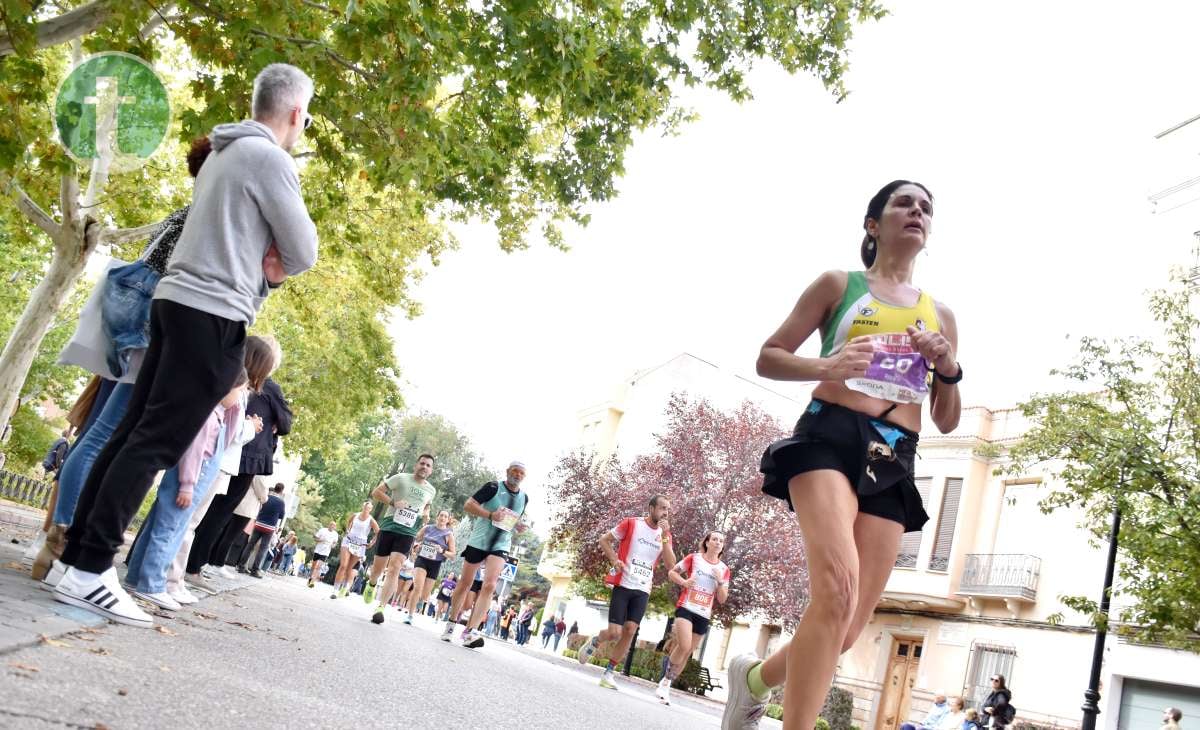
(1033, 124)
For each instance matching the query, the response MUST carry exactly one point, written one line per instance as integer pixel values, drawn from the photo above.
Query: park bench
(706, 683)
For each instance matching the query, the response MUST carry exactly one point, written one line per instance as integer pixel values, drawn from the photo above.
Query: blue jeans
(162, 532)
(83, 454)
(286, 565)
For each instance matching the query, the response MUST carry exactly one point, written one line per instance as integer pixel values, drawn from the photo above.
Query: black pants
(229, 550)
(261, 541)
(191, 364)
(212, 526)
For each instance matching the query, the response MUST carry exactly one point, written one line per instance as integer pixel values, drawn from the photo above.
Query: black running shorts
(393, 542)
(699, 623)
(627, 606)
(431, 567)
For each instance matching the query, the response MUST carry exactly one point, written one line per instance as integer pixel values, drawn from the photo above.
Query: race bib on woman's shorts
(897, 373)
(430, 551)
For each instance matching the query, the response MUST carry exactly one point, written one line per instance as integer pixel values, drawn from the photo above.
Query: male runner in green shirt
(409, 497)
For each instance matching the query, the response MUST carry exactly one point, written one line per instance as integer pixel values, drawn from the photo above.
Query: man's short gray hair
(277, 89)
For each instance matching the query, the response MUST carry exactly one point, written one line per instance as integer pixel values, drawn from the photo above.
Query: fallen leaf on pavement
(201, 614)
(243, 624)
(14, 566)
(81, 637)
(24, 667)
(165, 669)
(53, 642)
(100, 726)
(100, 650)
(123, 692)
(165, 630)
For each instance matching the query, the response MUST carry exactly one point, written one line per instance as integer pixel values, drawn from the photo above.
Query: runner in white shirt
(704, 579)
(361, 531)
(325, 537)
(633, 548)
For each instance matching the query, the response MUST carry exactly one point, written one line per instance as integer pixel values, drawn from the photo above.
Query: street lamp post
(1091, 696)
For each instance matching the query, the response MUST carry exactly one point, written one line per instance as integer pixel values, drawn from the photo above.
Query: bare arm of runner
(606, 544)
(381, 494)
(777, 359)
(451, 550)
(474, 509)
(941, 350)
(677, 578)
(374, 533)
(723, 591)
(668, 548)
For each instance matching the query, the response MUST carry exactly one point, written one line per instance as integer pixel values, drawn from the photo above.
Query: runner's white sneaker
(408, 618)
(55, 574)
(101, 594)
(742, 710)
(183, 596)
(162, 599)
(607, 681)
(588, 649)
(471, 639)
(663, 690)
(227, 572)
(448, 632)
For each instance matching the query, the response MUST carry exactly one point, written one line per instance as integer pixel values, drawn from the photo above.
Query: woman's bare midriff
(907, 415)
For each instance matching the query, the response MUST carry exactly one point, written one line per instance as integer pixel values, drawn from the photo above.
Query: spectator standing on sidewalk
(246, 197)
(269, 517)
(560, 628)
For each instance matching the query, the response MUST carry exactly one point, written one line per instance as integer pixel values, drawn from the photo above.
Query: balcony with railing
(1010, 577)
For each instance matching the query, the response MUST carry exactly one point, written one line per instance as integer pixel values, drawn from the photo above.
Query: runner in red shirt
(704, 579)
(633, 548)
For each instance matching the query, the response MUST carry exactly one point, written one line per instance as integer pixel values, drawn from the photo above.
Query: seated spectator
(934, 718)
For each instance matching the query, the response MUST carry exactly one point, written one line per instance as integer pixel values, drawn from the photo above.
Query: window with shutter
(910, 544)
(987, 660)
(940, 559)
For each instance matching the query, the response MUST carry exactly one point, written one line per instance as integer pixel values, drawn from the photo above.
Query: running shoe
(368, 594)
(335, 594)
(378, 617)
(407, 618)
(345, 592)
(742, 710)
(228, 572)
(588, 649)
(101, 594)
(311, 584)
(607, 681)
(448, 632)
(663, 690)
(472, 639)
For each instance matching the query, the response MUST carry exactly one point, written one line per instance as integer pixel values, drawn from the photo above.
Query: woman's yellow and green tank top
(860, 313)
(898, 372)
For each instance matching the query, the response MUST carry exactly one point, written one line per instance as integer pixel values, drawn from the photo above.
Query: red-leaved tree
(706, 460)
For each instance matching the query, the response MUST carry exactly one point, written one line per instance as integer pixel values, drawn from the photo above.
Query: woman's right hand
(852, 360)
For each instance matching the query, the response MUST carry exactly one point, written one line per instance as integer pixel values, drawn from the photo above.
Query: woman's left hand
(936, 349)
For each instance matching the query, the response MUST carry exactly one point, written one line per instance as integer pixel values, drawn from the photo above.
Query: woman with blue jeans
(118, 348)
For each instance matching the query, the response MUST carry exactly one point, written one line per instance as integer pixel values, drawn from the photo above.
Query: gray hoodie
(246, 196)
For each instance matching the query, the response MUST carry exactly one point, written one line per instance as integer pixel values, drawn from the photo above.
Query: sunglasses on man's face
(307, 121)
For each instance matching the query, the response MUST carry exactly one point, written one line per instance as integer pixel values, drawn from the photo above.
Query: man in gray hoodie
(246, 198)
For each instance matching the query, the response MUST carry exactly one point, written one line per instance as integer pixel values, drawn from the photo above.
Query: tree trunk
(26, 338)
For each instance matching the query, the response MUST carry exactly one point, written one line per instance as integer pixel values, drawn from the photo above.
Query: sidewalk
(28, 612)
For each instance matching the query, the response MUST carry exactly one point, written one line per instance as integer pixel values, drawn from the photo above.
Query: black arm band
(949, 381)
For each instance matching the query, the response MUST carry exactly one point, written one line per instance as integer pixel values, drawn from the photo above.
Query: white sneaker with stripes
(101, 594)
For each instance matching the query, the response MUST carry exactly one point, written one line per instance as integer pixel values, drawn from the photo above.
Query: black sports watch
(949, 381)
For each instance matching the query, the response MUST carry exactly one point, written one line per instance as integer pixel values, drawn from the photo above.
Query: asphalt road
(276, 654)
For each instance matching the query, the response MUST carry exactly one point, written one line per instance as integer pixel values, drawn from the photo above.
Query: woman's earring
(871, 245)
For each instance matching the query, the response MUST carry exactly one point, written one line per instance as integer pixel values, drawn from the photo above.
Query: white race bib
(641, 571)
(406, 517)
(507, 520)
(430, 551)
